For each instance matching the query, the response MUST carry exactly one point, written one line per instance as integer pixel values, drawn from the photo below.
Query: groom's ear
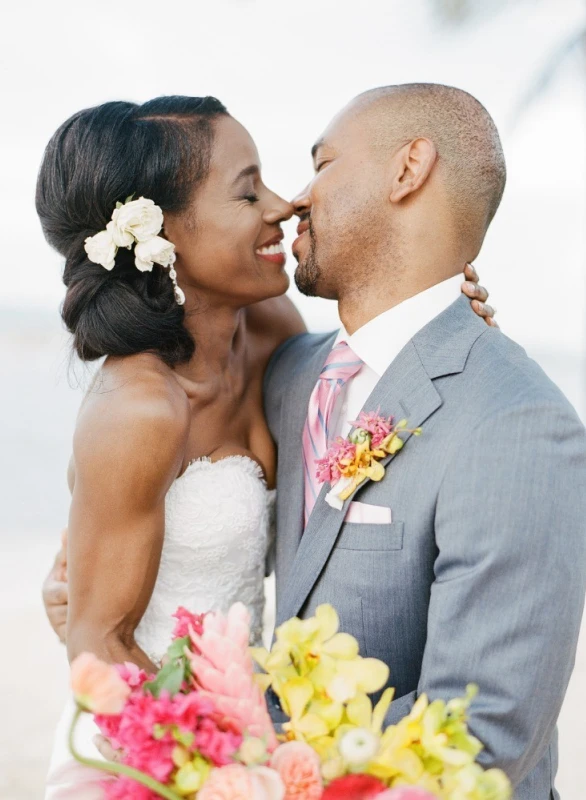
(410, 168)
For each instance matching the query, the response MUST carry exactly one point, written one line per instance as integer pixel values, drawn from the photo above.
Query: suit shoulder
(292, 355)
(284, 369)
(504, 376)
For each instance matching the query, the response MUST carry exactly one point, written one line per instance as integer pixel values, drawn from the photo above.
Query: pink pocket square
(365, 513)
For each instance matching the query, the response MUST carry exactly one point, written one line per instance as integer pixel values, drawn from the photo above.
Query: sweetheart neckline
(243, 459)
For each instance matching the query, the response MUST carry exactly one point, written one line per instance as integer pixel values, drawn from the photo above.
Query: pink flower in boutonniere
(378, 427)
(341, 454)
(349, 462)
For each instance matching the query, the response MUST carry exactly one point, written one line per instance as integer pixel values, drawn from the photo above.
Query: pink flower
(97, 686)
(144, 731)
(132, 675)
(406, 793)
(186, 622)
(299, 767)
(354, 787)
(223, 671)
(329, 468)
(378, 427)
(123, 788)
(236, 782)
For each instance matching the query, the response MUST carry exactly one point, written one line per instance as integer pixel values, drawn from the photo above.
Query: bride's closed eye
(251, 198)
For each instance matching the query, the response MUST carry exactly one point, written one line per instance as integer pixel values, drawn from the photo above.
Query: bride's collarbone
(226, 427)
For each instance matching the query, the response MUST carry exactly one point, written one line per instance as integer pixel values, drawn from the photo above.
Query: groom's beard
(308, 272)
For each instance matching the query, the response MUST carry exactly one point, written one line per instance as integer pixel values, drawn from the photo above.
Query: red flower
(354, 787)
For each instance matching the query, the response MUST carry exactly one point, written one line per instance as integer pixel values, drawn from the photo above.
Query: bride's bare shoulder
(142, 380)
(134, 405)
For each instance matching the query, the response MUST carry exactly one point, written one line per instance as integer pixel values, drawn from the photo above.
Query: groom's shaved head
(407, 180)
(469, 148)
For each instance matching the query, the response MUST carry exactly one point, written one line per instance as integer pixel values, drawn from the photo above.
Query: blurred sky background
(283, 69)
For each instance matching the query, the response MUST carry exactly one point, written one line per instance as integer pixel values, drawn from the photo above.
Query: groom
(408, 179)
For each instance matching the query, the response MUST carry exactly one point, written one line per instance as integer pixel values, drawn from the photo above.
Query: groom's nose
(302, 203)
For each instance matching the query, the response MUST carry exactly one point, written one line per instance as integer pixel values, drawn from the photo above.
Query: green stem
(115, 768)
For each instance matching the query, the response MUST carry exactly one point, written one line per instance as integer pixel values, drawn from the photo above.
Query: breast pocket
(370, 536)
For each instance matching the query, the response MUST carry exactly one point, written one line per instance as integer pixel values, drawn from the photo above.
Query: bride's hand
(479, 295)
(106, 749)
(55, 592)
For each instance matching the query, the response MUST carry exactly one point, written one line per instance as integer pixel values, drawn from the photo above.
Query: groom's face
(342, 210)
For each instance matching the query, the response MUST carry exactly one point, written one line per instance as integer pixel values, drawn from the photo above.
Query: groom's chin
(306, 279)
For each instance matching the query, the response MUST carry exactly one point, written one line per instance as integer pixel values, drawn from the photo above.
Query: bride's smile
(228, 240)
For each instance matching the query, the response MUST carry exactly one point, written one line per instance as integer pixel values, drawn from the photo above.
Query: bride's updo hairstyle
(160, 150)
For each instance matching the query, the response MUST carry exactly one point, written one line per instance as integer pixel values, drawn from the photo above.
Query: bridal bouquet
(200, 729)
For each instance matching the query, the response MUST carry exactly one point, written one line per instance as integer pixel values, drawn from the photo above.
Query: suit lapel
(405, 390)
(291, 482)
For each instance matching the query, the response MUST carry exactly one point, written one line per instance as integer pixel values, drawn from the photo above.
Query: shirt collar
(380, 340)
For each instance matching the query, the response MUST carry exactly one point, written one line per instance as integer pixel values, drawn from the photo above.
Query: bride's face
(229, 242)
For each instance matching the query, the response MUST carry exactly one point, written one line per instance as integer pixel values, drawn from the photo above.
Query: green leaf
(177, 648)
(118, 204)
(169, 679)
(129, 198)
(359, 436)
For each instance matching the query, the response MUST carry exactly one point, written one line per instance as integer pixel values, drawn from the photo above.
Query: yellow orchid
(323, 685)
(360, 713)
(473, 783)
(432, 748)
(316, 671)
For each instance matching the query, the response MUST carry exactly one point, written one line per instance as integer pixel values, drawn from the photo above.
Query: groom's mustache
(304, 224)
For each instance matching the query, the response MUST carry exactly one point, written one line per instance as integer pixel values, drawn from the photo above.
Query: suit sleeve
(510, 577)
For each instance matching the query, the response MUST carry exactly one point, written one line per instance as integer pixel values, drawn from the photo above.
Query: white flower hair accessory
(135, 223)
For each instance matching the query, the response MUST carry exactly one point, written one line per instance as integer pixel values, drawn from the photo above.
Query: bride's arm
(128, 448)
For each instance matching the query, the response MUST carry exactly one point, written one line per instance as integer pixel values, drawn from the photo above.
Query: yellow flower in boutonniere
(349, 462)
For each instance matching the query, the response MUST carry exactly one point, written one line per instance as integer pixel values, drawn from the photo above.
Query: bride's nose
(278, 211)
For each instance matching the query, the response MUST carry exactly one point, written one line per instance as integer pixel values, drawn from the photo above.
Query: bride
(174, 268)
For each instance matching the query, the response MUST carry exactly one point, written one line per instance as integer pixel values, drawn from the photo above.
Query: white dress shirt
(380, 341)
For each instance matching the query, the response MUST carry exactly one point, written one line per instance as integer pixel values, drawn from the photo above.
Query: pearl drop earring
(177, 291)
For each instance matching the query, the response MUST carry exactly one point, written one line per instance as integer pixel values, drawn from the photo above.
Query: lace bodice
(218, 521)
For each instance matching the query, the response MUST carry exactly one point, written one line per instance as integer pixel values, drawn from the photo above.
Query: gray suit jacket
(481, 575)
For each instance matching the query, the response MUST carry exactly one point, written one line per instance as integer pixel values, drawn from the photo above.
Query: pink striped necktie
(341, 365)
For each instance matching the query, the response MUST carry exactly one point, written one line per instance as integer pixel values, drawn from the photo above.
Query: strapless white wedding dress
(218, 524)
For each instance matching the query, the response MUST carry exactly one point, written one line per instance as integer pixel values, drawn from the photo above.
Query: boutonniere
(349, 462)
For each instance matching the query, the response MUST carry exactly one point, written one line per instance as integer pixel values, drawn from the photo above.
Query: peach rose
(299, 767)
(97, 686)
(236, 782)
